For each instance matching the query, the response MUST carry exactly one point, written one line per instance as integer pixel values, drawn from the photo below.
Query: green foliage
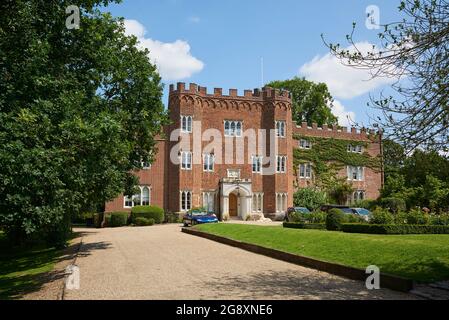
(381, 216)
(439, 220)
(317, 217)
(417, 217)
(312, 102)
(334, 219)
(172, 218)
(395, 205)
(148, 212)
(79, 111)
(394, 229)
(328, 156)
(310, 198)
(144, 222)
(119, 219)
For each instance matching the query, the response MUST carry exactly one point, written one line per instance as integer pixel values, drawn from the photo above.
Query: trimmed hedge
(315, 226)
(144, 222)
(119, 219)
(148, 212)
(393, 229)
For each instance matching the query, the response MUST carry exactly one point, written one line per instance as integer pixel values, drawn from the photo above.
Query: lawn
(21, 270)
(418, 257)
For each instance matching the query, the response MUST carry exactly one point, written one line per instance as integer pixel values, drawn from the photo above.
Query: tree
(415, 51)
(394, 157)
(310, 198)
(79, 111)
(312, 102)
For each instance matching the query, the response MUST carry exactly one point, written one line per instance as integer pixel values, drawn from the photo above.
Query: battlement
(334, 132)
(256, 94)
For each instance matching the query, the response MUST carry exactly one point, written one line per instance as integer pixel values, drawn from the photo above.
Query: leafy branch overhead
(414, 52)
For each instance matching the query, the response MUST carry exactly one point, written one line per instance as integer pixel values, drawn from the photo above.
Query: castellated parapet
(265, 93)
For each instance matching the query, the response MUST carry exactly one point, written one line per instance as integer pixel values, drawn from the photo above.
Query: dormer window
(355, 148)
(305, 144)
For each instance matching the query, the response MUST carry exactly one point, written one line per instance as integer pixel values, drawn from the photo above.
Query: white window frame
(233, 128)
(257, 202)
(186, 160)
(185, 200)
(307, 172)
(305, 144)
(256, 164)
(281, 129)
(127, 200)
(281, 164)
(208, 162)
(359, 171)
(146, 165)
(355, 148)
(281, 202)
(186, 124)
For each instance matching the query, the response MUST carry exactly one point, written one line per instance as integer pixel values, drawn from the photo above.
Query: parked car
(364, 213)
(195, 217)
(295, 209)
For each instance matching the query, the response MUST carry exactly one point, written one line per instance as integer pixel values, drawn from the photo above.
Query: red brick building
(234, 155)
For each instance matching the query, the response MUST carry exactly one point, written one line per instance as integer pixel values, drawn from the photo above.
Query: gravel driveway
(160, 262)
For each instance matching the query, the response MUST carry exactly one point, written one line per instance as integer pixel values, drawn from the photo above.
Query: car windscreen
(346, 210)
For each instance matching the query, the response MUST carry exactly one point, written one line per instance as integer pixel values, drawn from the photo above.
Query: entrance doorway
(233, 205)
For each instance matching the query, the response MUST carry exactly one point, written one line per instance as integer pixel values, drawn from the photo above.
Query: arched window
(238, 130)
(145, 196)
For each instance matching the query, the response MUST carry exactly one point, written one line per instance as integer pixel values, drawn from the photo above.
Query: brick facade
(257, 110)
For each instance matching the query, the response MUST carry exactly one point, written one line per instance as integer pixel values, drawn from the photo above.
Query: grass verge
(422, 258)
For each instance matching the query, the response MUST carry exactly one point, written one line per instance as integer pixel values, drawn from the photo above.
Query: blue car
(195, 217)
(364, 213)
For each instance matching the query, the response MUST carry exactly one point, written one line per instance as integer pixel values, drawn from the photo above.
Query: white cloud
(174, 59)
(345, 118)
(194, 19)
(344, 82)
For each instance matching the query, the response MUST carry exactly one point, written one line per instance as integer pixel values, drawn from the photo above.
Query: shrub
(395, 205)
(143, 222)
(148, 212)
(297, 217)
(315, 226)
(119, 219)
(310, 198)
(416, 216)
(334, 219)
(354, 218)
(394, 229)
(440, 220)
(172, 218)
(317, 217)
(381, 216)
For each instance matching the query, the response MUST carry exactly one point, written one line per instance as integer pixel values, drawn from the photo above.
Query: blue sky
(221, 43)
